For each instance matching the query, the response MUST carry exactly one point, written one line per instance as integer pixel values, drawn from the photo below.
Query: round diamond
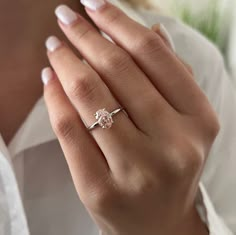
(104, 118)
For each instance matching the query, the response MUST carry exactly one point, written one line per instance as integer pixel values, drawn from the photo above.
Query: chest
(13, 113)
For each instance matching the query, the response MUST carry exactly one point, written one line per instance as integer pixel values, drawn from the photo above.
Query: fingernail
(46, 75)
(166, 34)
(65, 14)
(93, 4)
(52, 43)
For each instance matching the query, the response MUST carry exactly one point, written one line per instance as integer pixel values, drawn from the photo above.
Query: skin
(20, 84)
(141, 176)
(113, 179)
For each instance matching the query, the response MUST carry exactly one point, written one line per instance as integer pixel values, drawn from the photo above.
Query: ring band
(104, 118)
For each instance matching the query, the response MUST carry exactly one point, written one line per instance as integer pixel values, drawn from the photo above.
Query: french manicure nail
(93, 4)
(166, 34)
(46, 75)
(65, 14)
(52, 43)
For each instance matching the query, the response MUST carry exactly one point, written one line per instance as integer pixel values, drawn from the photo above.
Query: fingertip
(92, 5)
(52, 43)
(47, 75)
(65, 14)
(156, 28)
(168, 37)
(163, 32)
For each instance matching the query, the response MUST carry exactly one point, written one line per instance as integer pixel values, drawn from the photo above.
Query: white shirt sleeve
(12, 217)
(218, 187)
(209, 216)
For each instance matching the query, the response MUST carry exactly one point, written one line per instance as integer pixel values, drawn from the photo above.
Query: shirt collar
(35, 130)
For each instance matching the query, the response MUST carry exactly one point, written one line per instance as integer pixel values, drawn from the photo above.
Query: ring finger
(88, 93)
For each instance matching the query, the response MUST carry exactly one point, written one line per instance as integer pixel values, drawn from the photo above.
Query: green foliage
(208, 21)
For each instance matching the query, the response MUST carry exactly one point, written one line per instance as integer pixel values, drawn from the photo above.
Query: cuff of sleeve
(206, 210)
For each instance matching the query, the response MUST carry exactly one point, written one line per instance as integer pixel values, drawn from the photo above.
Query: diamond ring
(104, 118)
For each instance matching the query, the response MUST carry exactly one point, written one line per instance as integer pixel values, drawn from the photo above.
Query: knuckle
(63, 126)
(101, 196)
(148, 44)
(112, 16)
(81, 32)
(193, 159)
(183, 159)
(115, 59)
(83, 87)
(213, 127)
(210, 123)
(144, 183)
(102, 201)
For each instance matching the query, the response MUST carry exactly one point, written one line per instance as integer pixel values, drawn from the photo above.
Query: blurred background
(216, 19)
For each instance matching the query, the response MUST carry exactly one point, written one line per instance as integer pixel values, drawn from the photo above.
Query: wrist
(192, 224)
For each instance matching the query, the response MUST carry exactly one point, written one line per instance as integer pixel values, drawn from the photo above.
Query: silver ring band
(104, 118)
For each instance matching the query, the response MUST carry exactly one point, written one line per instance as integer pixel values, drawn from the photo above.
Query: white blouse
(37, 195)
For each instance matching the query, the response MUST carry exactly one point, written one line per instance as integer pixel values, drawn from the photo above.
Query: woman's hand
(141, 175)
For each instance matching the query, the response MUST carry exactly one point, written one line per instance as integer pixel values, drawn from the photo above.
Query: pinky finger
(164, 34)
(86, 161)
